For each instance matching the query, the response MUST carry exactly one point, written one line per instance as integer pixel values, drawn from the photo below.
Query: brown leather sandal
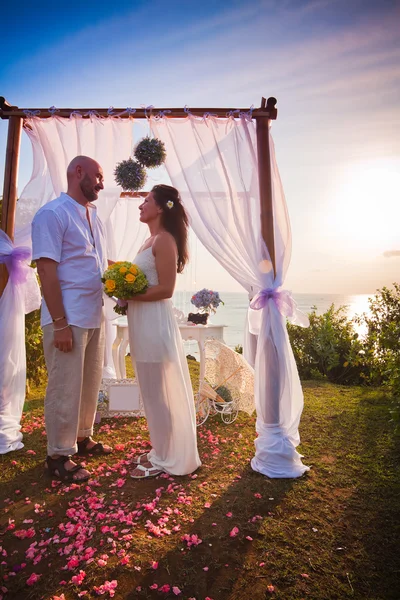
(97, 449)
(56, 469)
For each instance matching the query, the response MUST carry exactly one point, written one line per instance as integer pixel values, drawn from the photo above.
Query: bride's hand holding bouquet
(123, 280)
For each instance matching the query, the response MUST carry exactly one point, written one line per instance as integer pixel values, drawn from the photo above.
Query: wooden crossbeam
(6, 111)
(16, 116)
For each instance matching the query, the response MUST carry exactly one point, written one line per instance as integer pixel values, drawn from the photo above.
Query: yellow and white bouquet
(123, 280)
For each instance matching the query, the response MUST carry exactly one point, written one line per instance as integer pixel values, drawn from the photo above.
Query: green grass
(332, 534)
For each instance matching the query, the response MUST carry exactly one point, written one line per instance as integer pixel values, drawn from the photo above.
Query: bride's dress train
(163, 376)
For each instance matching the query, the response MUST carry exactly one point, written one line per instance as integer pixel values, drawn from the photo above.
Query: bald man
(69, 248)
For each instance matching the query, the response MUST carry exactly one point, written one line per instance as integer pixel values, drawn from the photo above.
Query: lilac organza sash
(16, 264)
(15, 258)
(283, 301)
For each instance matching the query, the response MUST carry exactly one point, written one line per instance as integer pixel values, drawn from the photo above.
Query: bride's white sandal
(141, 459)
(147, 472)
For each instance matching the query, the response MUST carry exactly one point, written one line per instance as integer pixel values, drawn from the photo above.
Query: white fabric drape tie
(276, 453)
(21, 295)
(213, 163)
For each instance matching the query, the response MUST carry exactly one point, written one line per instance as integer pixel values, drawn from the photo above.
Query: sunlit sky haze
(333, 65)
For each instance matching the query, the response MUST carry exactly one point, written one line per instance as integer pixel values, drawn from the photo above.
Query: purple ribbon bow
(16, 264)
(282, 298)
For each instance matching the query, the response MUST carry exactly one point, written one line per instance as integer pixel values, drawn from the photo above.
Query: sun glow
(367, 201)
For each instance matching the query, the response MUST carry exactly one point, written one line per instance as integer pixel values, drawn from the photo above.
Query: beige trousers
(74, 380)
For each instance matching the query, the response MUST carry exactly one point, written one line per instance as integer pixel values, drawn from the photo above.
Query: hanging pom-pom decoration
(130, 175)
(150, 152)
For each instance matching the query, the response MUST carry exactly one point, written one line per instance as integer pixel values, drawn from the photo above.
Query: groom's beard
(88, 190)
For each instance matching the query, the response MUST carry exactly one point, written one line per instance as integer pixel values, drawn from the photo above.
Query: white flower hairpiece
(170, 204)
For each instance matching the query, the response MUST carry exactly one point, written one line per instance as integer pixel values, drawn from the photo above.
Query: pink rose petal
(234, 532)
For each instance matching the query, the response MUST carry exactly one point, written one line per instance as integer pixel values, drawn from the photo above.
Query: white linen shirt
(60, 231)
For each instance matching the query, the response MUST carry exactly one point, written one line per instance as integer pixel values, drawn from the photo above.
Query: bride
(155, 342)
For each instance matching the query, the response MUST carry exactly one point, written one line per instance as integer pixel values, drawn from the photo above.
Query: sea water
(233, 313)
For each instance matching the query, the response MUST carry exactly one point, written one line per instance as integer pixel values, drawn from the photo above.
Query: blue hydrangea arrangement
(206, 301)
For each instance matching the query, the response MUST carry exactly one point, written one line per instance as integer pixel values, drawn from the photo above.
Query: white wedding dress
(163, 376)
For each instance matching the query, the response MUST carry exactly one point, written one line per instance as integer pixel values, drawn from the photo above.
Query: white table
(199, 333)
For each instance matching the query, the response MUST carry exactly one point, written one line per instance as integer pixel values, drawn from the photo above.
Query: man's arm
(51, 289)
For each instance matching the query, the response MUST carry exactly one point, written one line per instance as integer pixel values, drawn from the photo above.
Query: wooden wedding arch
(15, 115)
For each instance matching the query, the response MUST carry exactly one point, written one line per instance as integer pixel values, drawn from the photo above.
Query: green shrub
(382, 342)
(329, 349)
(35, 363)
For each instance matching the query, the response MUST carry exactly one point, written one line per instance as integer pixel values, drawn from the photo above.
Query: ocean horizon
(233, 313)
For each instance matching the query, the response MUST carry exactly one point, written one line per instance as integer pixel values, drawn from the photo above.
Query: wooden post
(271, 385)
(10, 186)
(265, 179)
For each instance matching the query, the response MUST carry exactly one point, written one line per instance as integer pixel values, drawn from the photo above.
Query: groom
(69, 248)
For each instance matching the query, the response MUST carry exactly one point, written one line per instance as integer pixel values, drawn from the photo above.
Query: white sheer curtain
(21, 296)
(55, 142)
(213, 163)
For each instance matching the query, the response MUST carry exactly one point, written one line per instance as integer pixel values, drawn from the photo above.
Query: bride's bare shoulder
(164, 239)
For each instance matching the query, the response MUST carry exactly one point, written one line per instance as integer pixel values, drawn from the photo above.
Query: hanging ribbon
(248, 116)
(207, 116)
(233, 113)
(94, 115)
(128, 111)
(31, 113)
(53, 110)
(162, 114)
(147, 108)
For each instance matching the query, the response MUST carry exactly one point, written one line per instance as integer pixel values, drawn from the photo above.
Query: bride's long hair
(174, 219)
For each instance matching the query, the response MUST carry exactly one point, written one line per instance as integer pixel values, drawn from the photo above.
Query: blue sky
(333, 65)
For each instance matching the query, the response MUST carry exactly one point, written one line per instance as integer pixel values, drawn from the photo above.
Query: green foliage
(35, 363)
(382, 342)
(130, 175)
(329, 349)
(150, 152)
